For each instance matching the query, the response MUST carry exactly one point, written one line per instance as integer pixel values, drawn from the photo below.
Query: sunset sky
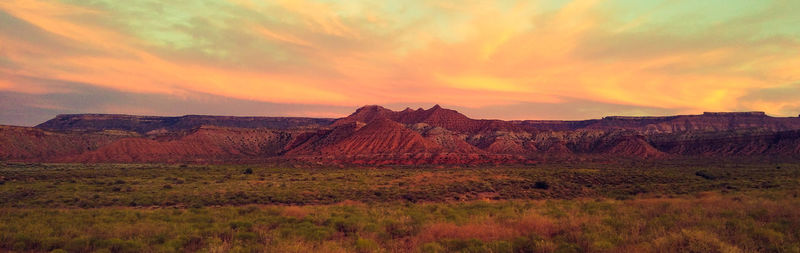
(488, 59)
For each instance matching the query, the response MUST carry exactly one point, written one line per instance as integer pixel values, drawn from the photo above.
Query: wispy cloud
(671, 56)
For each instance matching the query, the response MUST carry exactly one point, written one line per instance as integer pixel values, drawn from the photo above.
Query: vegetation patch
(127, 208)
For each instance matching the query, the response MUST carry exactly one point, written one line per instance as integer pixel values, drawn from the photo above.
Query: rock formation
(376, 135)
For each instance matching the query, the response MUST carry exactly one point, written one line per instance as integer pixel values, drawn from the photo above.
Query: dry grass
(706, 222)
(583, 210)
(298, 212)
(536, 224)
(688, 240)
(487, 231)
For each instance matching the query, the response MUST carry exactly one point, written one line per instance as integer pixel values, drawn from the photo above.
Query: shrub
(307, 230)
(694, 241)
(20, 246)
(248, 171)
(247, 210)
(246, 236)
(295, 211)
(432, 247)
(572, 247)
(500, 246)
(532, 243)
(346, 225)
(366, 245)
(118, 245)
(241, 225)
(51, 243)
(192, 243)
(705, 174)
(541, 185)
(472, 245)
(396, 229)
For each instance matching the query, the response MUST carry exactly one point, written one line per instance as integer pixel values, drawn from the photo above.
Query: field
(726, 207)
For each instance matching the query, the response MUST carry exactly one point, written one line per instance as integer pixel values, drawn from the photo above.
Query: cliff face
(707, 122)
(783, 143)
(376, 135)
(146, 124)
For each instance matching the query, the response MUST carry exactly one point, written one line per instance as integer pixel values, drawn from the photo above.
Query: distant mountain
(376, 135)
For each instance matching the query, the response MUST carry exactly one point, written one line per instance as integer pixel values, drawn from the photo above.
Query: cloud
(781, 100)
(28, 109)
(567, 109)
(669, 56)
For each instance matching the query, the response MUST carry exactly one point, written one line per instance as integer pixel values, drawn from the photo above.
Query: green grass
(89, 186)
(545, 208)
(704, 223)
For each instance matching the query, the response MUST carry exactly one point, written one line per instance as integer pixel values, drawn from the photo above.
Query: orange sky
(495, 59)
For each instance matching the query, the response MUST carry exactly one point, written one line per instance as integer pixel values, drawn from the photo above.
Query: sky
(564, 59)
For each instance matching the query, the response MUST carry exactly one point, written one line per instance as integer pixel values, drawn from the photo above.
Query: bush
(541, 185)
(346, 225)
(532, 243)
(694, 241)
(118, 245)
(572, 247)
(246, 236)
(307, 230)
(25, 242)
(500, 246)
(366, 245)
(396, 229)
(80, 244)
(192, 243)
(241, 225)
(472, 245)
(248, 171)
(432, 247)
(705, 174)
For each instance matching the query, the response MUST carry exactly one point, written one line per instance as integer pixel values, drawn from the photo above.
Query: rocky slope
(32, 144)
(203, 144)
(376, 135)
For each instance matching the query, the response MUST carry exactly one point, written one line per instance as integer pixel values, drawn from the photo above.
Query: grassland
(545, 208)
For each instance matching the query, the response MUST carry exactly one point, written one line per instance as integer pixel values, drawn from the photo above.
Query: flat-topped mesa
(639, 117)
(743, 114)
(716, 114)
(71, 118)
(144, 124)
